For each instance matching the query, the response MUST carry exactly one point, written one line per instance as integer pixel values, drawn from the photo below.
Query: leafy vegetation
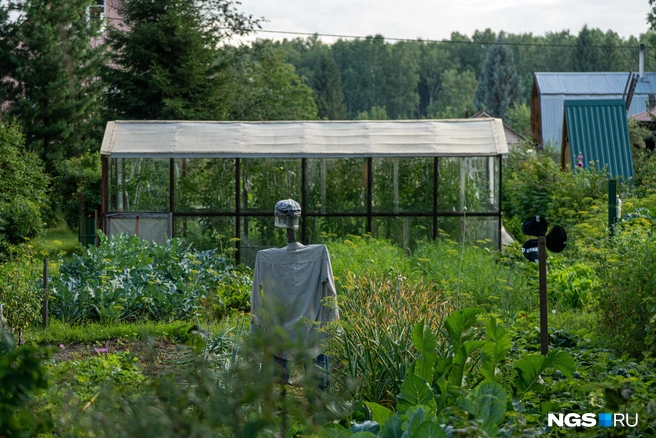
(127, 278)
(23, 188)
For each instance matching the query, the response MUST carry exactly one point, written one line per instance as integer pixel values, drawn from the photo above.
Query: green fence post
(612, 206)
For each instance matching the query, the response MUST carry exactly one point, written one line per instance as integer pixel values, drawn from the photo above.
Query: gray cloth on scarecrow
(293, 288)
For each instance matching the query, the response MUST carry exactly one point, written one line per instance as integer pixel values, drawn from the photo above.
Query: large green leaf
(428, 429)
(491, 399)
(415, 391)
(460, 359)
(363, 435)
(530, 368)
(392, 428)
(379, 413)
(495, 349)
(458, 323)
(426, 343)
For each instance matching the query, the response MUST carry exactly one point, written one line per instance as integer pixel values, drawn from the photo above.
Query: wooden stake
(44, 309)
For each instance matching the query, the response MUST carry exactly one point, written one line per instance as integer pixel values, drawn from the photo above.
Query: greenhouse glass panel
(322, 229)
(138, 184)
(480, 231)
(265, 181)
(207, 232)
(405, 232)
(336, 185)
(204, 184)
(403, 185)
(468, 184)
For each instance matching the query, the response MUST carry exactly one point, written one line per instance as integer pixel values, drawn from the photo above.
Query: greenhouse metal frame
(238, 143)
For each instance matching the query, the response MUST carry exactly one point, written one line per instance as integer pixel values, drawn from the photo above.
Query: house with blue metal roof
(551, 90)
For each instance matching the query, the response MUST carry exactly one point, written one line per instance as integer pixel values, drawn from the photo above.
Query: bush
(21, 289)
(23, 188)
(78, 187)
(534, 184)
(627, 302)
(128, 278)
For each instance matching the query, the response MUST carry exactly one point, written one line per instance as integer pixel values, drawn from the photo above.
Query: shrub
(78, 187)
(23, 188)
(534, 184)
(21, 289)
(627, 302)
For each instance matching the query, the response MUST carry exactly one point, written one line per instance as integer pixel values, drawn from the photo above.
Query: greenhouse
(216, 183)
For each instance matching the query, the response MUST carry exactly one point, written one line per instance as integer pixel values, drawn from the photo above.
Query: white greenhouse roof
(191, 139)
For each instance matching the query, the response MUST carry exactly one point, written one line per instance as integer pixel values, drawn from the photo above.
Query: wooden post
(95, 228)
(542, 267)
(136, 227)
(44, 308)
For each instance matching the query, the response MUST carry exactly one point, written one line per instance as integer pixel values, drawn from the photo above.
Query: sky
(437, 19)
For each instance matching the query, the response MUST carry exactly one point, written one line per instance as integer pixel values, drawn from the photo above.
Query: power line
(284, 32)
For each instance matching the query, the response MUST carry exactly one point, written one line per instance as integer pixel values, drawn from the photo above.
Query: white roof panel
(183, 139)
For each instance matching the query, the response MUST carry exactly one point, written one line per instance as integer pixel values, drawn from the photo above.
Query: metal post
(95, 228)
(104, 193)
(303, 200)
(500, 199)
(136, 227)
(542, 267)
(370, 184)
(44, 308)
(171, 185)
(237, 209)
(436, 175)
(612, 206)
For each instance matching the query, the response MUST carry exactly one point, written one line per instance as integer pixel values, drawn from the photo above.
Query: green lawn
(56, 240)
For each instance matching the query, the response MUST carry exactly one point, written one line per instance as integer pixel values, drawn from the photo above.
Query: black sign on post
(530, 250)
(535, 250)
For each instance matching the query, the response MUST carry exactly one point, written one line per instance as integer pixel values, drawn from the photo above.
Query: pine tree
(327, 85)
(55, 91)
(499, 86)
(166, 62)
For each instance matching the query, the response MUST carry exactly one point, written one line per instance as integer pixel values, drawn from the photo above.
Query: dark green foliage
(456, 97)
(519, 118)
(21, 376)
(499, 84)
(328, 88)
(23, 188)
(78, 187)
(165, 59)
(264, 87)
(21, 292)
(127, 278)
(533, 184)
(588, 56)
(55, 89)
(627, 302)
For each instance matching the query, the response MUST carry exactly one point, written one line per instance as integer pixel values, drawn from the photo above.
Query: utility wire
(447, 41)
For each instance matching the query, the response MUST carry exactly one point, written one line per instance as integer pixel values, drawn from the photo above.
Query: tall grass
(378, 312)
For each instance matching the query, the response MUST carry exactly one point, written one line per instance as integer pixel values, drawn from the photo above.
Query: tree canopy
(54, 62)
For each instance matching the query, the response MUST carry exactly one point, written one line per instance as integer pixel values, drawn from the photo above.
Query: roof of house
(645, 116)
(598, 130)
(188, 139)
(555, 88)
(485, 114)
